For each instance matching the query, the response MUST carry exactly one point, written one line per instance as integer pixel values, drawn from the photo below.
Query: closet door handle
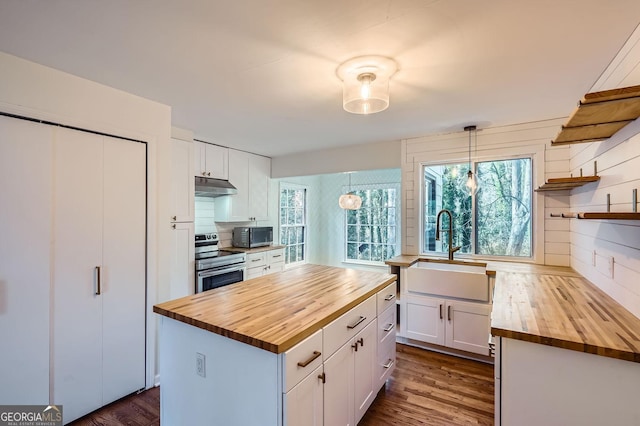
(98, 281)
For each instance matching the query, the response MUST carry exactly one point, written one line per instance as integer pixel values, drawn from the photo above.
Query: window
(495, 222)
(293, 209)
(372, 230)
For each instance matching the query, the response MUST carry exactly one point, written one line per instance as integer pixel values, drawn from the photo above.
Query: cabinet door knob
(173, 226)
(441, 311)
(98, 281)
(174, 217)
(204, 173)
(209, 174)
(361, 341)
(449, 312)
(355, 346)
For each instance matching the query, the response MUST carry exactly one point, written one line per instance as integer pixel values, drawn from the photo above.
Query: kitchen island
(303, 344)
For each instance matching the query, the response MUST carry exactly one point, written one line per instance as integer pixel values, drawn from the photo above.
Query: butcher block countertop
(277, 311)
(565, 311)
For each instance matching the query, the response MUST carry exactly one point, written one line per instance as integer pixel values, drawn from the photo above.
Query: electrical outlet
(201, 365)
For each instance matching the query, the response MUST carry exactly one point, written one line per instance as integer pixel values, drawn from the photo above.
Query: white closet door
(77, 249)
(25, 231)
(123, 260)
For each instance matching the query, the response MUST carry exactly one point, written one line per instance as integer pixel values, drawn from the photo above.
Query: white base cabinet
(452, 323)
(304, 404)
(264, 263)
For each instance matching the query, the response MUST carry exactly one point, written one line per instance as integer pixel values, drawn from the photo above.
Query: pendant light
(350, 201)
(472, 183)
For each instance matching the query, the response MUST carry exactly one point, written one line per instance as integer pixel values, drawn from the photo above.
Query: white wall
(36, 91)
(376, 156)
(551, 238)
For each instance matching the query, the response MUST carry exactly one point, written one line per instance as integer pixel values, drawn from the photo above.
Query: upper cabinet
(251, 174)
(211, 160)
(182, 182)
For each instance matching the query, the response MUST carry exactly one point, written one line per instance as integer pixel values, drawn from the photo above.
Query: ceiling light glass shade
(365, 83)
(365, 95)
(350, 201)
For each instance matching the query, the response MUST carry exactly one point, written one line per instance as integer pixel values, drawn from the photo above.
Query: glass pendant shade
(472, 183)
(350, 201)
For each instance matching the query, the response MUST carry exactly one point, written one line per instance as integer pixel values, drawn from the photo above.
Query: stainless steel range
(214, 267)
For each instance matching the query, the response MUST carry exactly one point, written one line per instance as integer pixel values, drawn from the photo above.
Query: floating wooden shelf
(562, 184)
(600, 115)
(599, 215)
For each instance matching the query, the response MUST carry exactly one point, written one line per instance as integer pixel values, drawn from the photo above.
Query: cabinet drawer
(386, 297)
(274, 256)
(387, 325)
(386, 361)
(256, 259)
(338, 332)
(302, 359)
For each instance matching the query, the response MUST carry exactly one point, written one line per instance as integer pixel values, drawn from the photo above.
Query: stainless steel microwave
(252, 236)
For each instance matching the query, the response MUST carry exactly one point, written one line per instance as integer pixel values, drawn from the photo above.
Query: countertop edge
(567, 344)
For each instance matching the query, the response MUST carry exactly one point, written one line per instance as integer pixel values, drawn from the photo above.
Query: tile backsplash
(205, 221)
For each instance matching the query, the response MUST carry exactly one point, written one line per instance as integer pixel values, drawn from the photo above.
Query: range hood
(209, 187)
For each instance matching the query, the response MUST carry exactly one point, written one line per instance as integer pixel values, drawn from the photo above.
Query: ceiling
(260, 75)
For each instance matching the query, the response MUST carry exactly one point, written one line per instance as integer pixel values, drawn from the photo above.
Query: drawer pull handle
(357, 322)
(388, 328)
(390, 297)
(312, 358)
(449, 312)
(276, 255)
(388, 364)
(256, 260)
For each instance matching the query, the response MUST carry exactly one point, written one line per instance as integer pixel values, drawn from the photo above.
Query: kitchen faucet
(451, 248)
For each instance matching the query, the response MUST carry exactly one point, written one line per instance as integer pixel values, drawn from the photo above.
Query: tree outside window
(495, 222)
(372, 230)
(293, 206)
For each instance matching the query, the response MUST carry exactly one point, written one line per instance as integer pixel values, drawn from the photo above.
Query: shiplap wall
(607, 252)
(551, 236)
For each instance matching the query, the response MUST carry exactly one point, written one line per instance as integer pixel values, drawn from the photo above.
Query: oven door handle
(206, 274)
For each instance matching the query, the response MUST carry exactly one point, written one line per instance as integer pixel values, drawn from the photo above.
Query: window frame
(305, 218)
(535, 153)
(398, 226)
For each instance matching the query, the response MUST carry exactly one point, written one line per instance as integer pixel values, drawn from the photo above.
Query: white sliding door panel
(77, 248)
(25, 229)
(124, 268)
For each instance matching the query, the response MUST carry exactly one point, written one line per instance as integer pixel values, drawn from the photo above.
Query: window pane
(370, 230)
(292, 223)
(504, 208)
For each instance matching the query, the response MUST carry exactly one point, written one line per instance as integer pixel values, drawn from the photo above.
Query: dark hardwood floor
(426, 388)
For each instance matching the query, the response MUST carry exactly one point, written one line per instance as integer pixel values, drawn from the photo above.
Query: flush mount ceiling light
(350, 201)
(472, 182)
(365, 83)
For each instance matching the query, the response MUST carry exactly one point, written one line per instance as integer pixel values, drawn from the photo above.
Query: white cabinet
(251, 175)
(350, 378)
(99, 237)
(455, 324)
(264, 263)
(303, 401)
(210, 160)
(304, 404)
(182, 181)
(386, 345)
(182, 270)
(468, 326)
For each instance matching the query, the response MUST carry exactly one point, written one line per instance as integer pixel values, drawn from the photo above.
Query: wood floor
(426, 388)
